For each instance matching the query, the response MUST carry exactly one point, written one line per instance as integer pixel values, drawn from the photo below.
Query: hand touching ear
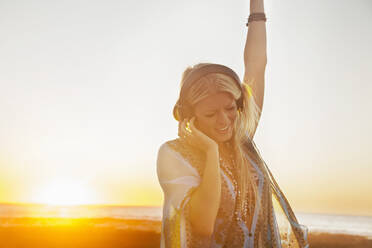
(195, 137)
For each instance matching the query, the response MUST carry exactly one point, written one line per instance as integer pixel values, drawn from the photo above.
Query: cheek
(233, 116)
(204, 124)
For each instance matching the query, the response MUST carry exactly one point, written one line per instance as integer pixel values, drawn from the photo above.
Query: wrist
(256, 16)
(212, 150)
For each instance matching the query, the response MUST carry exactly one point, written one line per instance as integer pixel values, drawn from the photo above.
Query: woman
(218, 192)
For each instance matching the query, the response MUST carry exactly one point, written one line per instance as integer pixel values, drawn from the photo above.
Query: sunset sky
(87, 90)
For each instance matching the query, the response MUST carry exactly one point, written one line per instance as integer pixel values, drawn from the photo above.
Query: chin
(222, 138)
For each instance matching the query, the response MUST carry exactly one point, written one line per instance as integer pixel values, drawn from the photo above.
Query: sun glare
(64, 192)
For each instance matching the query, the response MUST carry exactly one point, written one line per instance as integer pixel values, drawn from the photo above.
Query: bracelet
(256, 17)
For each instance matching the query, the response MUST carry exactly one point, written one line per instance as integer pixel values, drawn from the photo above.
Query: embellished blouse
(180, 170)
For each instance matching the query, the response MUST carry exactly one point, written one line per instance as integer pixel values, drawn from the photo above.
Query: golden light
(64, 192)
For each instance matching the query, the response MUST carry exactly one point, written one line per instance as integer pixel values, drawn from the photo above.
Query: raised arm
(255, 54)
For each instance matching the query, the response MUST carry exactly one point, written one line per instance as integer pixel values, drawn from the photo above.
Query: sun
(64, 192)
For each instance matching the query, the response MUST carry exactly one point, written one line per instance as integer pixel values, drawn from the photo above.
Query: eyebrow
(229, 105)
(209, 110)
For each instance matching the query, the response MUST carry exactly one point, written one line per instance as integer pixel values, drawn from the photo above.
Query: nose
(222, 119)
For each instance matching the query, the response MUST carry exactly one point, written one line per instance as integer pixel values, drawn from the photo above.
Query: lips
(223, 130)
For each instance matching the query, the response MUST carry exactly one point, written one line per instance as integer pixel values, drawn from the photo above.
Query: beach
(116, 233)
(78, 233)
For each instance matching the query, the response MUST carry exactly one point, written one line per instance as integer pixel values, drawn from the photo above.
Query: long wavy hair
(245, 123)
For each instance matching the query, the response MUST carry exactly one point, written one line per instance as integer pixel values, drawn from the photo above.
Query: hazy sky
(87, 90)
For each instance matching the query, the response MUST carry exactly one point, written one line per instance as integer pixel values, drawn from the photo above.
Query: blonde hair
(245, 123)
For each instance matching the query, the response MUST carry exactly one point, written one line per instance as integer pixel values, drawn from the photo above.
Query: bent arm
(255, 53)
(205, 201)
(183, 186)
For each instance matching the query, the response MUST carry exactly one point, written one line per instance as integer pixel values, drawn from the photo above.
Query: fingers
(184, 131)
(180, 130)
(192, 124)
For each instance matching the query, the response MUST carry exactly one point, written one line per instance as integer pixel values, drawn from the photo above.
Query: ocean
(360, 225)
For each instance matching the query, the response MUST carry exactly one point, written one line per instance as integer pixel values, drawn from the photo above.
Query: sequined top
(180, 170)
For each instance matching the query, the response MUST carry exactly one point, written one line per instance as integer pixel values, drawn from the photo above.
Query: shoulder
(178, 150)
(169, 151)
(168, 147)
(178, 146)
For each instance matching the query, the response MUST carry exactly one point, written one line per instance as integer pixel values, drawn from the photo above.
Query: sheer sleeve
(178, 180)
(176, 176)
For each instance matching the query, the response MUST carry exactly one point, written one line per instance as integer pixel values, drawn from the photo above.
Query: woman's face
(215, 116)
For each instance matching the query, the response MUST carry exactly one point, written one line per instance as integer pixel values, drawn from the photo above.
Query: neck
(225, 147)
